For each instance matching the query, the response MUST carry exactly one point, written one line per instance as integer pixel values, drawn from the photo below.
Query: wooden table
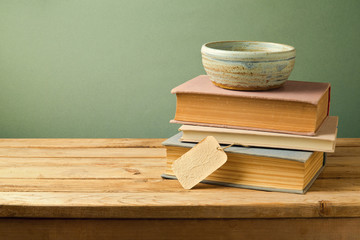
(111, 189)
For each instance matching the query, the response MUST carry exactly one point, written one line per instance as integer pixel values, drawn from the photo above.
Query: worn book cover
(266, 169)
(323, 141)
(297, 107)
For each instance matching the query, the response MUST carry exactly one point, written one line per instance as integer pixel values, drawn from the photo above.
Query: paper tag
(199, 162)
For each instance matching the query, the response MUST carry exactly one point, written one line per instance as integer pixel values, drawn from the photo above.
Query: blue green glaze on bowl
(248, 65)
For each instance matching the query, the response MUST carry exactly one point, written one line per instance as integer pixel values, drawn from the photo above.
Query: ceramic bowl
(248, 65)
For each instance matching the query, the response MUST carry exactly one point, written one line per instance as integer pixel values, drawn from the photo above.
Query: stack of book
(280, 136)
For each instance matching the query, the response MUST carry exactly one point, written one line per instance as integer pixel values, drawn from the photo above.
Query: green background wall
(105, 68)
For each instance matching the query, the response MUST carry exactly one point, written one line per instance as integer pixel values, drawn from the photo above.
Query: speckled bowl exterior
(246, 65)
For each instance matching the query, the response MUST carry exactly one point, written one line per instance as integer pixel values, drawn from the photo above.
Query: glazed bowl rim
(221, 53)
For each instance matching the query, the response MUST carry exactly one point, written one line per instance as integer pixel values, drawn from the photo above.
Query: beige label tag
(199, 162)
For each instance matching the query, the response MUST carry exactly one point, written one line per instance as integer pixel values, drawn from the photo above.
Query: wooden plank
(335, 184)
(80, 161)
(82, 168)
(156, 229)
(348, 142)
(340, 172)
(91, 185)
(82, 143)
(342, 167)
(119, 152)
(345, 151)
(200, 204)
(154, 185)
(107, 182)
(337, 167)
(82, 172)
(82, 152)
(343, 160)
(112, 142)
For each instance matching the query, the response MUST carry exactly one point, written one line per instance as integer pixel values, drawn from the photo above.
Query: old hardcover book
(257, 168)
(323, 141)
(296, 107)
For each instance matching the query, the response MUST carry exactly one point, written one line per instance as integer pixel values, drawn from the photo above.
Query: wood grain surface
(179, 229)
(120, 178)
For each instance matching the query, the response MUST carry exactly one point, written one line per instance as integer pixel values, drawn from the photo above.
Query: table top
(120, 178)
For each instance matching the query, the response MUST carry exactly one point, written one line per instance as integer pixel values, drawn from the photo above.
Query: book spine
(328, 110)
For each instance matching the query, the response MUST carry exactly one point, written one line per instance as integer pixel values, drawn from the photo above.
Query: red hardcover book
(297, 107)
